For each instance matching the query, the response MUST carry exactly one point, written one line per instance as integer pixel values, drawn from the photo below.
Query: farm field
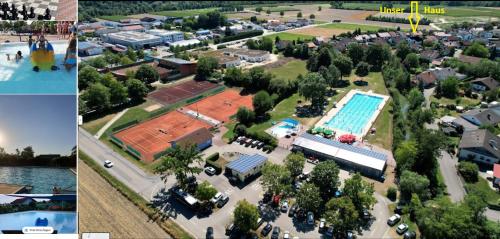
(288, 36)
(351, 27)
(184, 13)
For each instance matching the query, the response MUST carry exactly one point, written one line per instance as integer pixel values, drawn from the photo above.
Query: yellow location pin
(414, 19)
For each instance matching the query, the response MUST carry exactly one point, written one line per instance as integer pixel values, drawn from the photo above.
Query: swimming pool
(43, 179)
(19, 78)
(354, 116)
(63, 222)
(282, 129)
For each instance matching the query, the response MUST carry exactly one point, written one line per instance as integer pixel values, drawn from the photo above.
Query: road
(447, 165)
(379, 227)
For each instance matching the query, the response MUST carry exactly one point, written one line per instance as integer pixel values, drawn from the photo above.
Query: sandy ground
(152, 107)
(103, 209)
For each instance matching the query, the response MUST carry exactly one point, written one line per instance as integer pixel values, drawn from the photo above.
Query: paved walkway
(111, 122)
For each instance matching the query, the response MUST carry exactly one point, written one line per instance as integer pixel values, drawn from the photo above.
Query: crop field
(291, 36)
(114, 18)
(184, 13)
(351, 27)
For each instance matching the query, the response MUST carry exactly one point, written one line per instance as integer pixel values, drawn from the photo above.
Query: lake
(43, 179)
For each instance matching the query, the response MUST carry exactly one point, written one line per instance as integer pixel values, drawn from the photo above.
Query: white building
(135, 40)
(185, 42)
(167, 36)
(246, 166)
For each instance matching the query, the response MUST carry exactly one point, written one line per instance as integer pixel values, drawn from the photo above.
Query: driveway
(454, 185)
(378, 227)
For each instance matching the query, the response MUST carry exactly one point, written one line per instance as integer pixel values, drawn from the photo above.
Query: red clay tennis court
(154, 136)
(223, 105)
(186, 90)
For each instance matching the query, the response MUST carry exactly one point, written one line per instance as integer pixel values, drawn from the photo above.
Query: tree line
(26, 157)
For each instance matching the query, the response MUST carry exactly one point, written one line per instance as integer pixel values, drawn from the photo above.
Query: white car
(402, 228)
(284, 206)
(210, 170)
(393, 219)
(216, 198)
(286, 235)
(108, 164)
(322, 225)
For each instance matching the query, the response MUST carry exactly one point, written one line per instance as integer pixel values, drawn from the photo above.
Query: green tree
(477, 49)
(411, 61)
(282, 13)
(118, 92)
(267, 44)
(205, 191)
(319, 8)
(245, 216)
(276, 178)
(137, 90)
(257, 78)
(313, 87)
(411, 182)
(312, 16)
(360, 192)
(205, 67)
(392, 193)
(402, 50)
(294, 162)
(147, 74)
(124, 60)
(87, 76)
(333, 76)
(326, 176)
(449, 87)
(341, 214)
(362, 69)
(98, 62)
(469, 171)
(140, 54)
(356, 53)
(258, 9)
(245, 116)
(181, 161)
(405, 156)
(344, 64)
(97, 97)
(251, 44)
(131, 54)
(308, 198)
(262, 102)
(233, 77)
(268, 11)
(415, 98)
(376, 55)
(299, 15)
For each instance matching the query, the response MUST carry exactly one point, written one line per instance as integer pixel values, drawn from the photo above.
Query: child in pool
(17, 58)
(70, 58)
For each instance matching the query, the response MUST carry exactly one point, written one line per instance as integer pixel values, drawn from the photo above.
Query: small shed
(246, 166)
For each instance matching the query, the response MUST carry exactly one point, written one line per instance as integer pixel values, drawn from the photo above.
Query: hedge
(213, 157)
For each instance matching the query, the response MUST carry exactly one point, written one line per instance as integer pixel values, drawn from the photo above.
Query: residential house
(429, 55)
(469, 59)
(282, 44)
(429, 77)
(480, 117)
(481, 146)
(484, 84)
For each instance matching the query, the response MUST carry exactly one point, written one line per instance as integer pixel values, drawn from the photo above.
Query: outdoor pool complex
(19, 78)
(356, 115)
(63, 222)
(42, 179)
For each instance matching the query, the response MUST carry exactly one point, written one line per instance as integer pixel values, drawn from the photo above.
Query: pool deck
(6, 188)
(340, 105)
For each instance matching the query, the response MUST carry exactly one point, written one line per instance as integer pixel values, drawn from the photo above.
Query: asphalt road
(454, 185)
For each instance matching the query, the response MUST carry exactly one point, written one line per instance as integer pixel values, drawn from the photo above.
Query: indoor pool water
(355, 114)
(19, 78)
(63, 222)
(43, 179)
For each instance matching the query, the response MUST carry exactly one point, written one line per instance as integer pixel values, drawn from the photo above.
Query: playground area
(147, 139)
(173, 94)
(222, 106)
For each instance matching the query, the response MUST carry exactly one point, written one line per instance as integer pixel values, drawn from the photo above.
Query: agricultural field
(115, 18)
(280, 8)
(291, 36)
(184, 13)
(351, 27)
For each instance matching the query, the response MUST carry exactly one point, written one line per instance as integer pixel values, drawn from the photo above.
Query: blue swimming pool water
(42, 179)
(63, 222)
(355, 114)
(286, 126)
(19, 78)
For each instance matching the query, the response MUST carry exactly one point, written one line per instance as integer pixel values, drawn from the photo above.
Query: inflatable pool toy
(43, 59)
(41, 222)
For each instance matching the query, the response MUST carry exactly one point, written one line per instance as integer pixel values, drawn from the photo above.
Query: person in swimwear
(70, 58)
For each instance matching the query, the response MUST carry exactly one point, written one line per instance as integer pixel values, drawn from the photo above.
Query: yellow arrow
(414, 9)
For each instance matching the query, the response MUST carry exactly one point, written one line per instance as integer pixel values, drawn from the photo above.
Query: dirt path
(103, 209)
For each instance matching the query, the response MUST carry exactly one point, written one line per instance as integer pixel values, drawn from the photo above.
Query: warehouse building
(246, 166)
(89, 49)
(365, 161)
(136, 40)
(167, 36)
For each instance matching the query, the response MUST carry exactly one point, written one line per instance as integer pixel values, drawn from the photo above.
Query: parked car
(243, 140)
(230, 229)
(297, 185)
(259, 222)
(292, 210)
(223, 200)
(310, 218)
(286, 235)
(210, 170)
(267, 197)
(240, 139)
(216, 198)
(313, 160)
(322, 225)
(260, 145)
(265, 231)
(393, 219)
(276, 233)
(210, 233)
(255, 143)
(366, 214)
(402, 228)
(329, 232)
(284, 206)
(248, 142)
(398, 209)
(409, 235)
(108, 164)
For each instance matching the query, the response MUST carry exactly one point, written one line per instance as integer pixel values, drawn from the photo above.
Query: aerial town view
(288, 119)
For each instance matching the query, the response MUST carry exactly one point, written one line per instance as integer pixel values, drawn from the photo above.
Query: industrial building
(246, 166)
(89, 49)
(135, 40)
(167, 36)
(365, 161)
(185, 43)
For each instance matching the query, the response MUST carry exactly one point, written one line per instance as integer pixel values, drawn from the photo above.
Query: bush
(242, 35)
(264, 137)
(392, 193)
(469, 171)
(213, 157)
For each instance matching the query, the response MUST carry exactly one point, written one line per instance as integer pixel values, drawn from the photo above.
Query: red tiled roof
(496, 170)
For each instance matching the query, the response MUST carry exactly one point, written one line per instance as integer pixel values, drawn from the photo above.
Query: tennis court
(223, 105)
(186, 90)
(154, 136)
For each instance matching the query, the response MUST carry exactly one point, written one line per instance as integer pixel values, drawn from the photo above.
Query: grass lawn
(95, 125)
(290, 70)
(471, 12)
(185, 13)
(462, 101)
(290, 36)
(351, 27)
(369, 6)
(280, 8)
(482, 186)
(114, 18)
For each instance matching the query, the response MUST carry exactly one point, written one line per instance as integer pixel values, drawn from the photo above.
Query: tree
(403, 49)
(344, 64)
(28, 153)
(240, 129)
(356, 53)
(449, 87)
(262, 102)
(308, 198)
(276, 178)
(376, 55)
(131, 54)
(251, 44)
(147, 74)
(282, 13)
(313, 87)
(326, 176)
(477, 49)
(299, 15)
(294, 162)
(118, 92)
(257, 78)
(392, 193)
(312, 16)
(98, 62)
(205, 191)
(97, 97)
(205, 67)
(319, 8)
(362, 69)
(181, 161)
(405, 155)
(360, 192)
(411, 61)
(245, 216)
(469, 171)
(341, 214)
(333, 76)
(233, 77)
(137, 90)
(411, 182)
(268, 11)
(87, 76)
(124, 60)
(266, 44)
(415, 98)
(245, 116)
(253, 19)
(258, 9)
(140, 54)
